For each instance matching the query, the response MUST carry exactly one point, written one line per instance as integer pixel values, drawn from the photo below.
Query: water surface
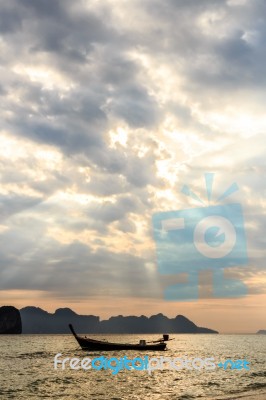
(27, 369)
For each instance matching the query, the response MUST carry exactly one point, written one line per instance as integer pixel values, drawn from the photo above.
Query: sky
(108, 108)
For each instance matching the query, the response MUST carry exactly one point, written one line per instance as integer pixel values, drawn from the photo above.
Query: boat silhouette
(101, 345)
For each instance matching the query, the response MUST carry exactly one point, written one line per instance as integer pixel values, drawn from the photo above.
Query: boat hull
(86, 344)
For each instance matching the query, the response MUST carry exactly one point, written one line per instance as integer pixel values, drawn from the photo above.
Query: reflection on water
(27, 369)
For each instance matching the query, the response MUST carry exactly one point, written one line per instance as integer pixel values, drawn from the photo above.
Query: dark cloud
(107, 185)
(53, 267)
(109, 211)
(10, 20)
(136, 107)
(12, 204)
(126, 226)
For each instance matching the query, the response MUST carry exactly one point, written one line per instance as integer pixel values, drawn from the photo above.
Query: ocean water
(27, 369)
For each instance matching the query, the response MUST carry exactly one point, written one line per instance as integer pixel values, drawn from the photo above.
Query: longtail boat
(101, 345)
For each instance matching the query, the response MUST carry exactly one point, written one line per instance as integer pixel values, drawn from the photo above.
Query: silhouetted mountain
(36, 320)
(261, 332)
(10, 321)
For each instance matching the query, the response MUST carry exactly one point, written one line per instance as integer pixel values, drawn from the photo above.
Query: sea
(27, 369)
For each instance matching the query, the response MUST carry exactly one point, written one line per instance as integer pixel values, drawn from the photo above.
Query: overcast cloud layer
(107, 109)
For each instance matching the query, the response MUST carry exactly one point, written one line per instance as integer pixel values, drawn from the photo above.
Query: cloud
(108, 109)
(53, 267)
(13, 204)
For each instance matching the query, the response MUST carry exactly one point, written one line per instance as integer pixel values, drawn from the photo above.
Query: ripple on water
(256, 385)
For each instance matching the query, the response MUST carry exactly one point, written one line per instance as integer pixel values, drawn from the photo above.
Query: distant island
(10, 321)
(261, 332)
(36, 320)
